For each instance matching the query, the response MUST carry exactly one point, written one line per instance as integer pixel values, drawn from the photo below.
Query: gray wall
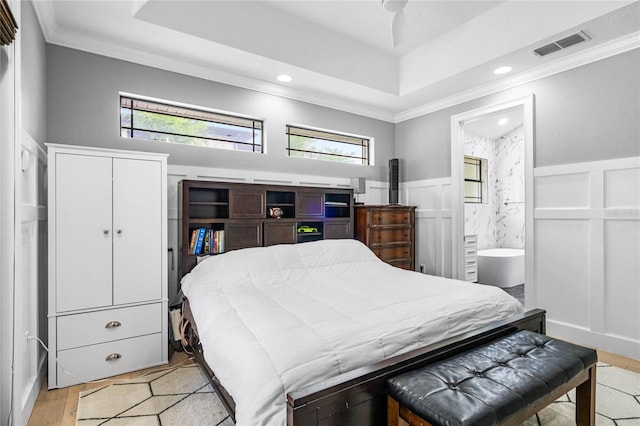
(82, 107)
(588, 113)
(33, 75)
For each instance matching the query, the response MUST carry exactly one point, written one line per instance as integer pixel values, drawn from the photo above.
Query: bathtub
(502, 267)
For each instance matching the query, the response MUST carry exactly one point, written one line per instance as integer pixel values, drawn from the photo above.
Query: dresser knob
(113, 324)
(105, 231)
(113, 357)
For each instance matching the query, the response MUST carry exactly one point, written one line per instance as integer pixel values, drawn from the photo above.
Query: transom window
(323, 145)
(144, 119)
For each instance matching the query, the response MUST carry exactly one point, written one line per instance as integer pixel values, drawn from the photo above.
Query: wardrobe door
(83, 232)
(137, 227)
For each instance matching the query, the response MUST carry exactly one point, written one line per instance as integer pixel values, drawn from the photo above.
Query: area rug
(179, 396)
(183, 396)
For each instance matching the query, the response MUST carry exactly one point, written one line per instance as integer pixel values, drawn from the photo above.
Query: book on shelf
(200, 242)
(218, 242)
(206, 241)
(194, 239)
(206, 247)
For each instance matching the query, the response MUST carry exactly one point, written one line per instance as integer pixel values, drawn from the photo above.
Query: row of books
(206, 241)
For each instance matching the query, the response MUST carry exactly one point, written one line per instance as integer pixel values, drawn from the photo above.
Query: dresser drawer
(390, 235)
(471, 274)
(470, 241)
(109, 359)
(393, 253)
(401, 263)
(470, 262)
(390, 217)
(104, 326)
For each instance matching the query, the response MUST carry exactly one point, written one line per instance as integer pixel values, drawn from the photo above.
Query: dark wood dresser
(388, 230)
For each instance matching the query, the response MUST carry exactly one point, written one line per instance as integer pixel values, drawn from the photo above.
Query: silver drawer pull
(113, 324)
(113, 357)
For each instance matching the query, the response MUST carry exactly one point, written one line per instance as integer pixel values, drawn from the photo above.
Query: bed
(307, 333)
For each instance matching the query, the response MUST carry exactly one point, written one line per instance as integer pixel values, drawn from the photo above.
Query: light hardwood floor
(58, 407)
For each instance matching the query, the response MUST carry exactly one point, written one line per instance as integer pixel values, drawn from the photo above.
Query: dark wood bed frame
(358, 397)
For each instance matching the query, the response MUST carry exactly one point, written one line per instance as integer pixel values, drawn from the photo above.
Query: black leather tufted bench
(503, 382)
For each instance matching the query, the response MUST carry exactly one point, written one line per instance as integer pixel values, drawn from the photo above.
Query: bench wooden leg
(586, 400)
(393, 411)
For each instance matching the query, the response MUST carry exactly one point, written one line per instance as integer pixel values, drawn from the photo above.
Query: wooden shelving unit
(244, 213)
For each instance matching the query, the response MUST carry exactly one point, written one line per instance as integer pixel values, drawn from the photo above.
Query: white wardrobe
(107, 262)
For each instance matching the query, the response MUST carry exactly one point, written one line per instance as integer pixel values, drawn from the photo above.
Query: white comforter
(275, 319)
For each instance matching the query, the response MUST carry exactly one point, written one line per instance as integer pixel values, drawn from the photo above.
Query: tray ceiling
(340, 52)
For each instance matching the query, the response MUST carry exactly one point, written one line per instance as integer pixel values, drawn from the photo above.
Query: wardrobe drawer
(104, 326)
(390, 217)
(390, 235)
(108, 359)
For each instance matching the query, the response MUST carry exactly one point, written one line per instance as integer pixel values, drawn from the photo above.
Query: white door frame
(457, 187)
(9, 112)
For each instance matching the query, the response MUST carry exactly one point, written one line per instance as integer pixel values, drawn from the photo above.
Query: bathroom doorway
(492, 195)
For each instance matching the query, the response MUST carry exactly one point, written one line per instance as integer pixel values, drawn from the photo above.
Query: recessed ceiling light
(502, 70)
(503, 121)
(285, 78)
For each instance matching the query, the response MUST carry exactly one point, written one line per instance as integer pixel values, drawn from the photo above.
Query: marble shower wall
(500, 221)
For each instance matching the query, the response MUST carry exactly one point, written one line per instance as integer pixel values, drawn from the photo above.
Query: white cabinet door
(138, 228)
(83, 232)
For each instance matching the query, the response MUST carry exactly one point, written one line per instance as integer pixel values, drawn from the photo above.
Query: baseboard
(32, 390)
(611, 343)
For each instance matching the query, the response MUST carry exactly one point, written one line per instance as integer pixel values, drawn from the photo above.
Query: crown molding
(587, 56)
(46, 17)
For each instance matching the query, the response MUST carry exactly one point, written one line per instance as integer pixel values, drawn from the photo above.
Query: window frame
(365, 142)
(199, 114)
(480, 180)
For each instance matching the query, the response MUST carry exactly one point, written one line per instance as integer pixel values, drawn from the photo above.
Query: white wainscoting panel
(622, 277)
(563, 191)
(562, 260)
(432, 197)
(587, 251)
(622, 188)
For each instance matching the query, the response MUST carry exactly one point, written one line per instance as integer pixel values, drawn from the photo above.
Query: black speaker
(393, 180)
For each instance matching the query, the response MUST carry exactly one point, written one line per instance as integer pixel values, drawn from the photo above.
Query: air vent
(562, 44)
(545, 50)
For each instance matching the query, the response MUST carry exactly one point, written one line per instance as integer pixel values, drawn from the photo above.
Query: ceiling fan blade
(399, 28)
(394, 5)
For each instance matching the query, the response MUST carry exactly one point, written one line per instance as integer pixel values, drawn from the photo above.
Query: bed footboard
(359, 396)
